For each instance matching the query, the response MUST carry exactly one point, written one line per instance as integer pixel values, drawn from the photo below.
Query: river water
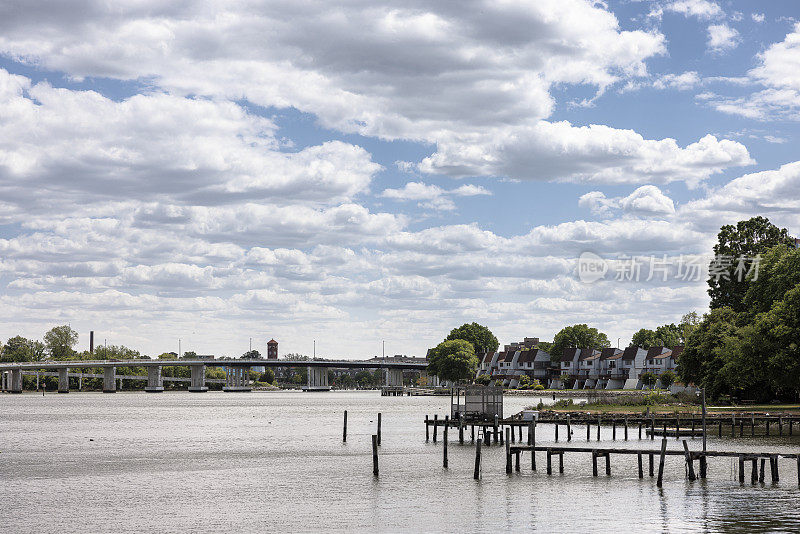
(265, 462)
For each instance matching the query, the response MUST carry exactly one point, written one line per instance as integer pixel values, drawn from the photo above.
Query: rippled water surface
(256, 462)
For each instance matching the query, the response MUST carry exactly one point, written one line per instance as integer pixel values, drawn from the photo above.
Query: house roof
(502, 356)
(654, 352)
(569, 354)
(487, 357)
(609, 352)
(586, 353)
(527, 355)
(629, 354)
(677, 351)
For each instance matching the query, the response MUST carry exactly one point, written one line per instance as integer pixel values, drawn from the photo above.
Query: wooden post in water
(798, 469)
(588, 430)
(516, 461)
(444, 440)
(532, 443)
(569, 430)
(639, 460)
(703, 460)
(650, 464)
(472, 433)
(640, 429)
(520, 433)
(477, 474)
(613, 429)
(761, 472)
(594, 463)
(495, 428)
(608, 463)
(374, 454)
(774, 468)
(625, 422)
(754, 472)
(677, 426)
(689, 462)
(427, 431)
(549, 462)
(435, 426)
(379, 427)
(598, 428)
(753, 425)
(556, 431)
(741, 469)
(652, 427)
(733, 426)
(508, 452)
(561, 462)
(460, 430)
(513, 435)
(661, 461)
(780, 427)
(344, 431)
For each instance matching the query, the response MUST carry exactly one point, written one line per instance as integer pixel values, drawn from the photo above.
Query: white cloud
(702, 9)
(83, 147)
(592, 154)
(645, 201)
(683, 82)
(758, 17)
(432, 196)
(722, 37)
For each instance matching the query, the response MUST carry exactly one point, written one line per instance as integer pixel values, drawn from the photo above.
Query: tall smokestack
(91, 342)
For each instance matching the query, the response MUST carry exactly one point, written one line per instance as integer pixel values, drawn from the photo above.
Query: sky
(344, 176)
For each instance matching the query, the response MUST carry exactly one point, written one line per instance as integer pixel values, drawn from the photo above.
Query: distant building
(272, 349)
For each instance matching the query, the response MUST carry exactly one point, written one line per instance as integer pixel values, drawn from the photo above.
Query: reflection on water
(177, 462)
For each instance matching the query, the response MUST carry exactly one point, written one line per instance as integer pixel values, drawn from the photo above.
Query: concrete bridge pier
(394, 377)
(110, 380)
(236, 378)
(155, 382)
(198, 383)
(16, 381)
(63, 380)
(317, 379)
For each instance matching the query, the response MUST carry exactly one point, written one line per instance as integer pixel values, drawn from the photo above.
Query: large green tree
(579, 335)
(20, 349)
(734, 257)
(704, 356)
(480, 336)
(453, 360)
(60, 341)
(668, 335)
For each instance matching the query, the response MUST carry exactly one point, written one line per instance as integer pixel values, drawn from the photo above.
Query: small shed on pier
(476, 403)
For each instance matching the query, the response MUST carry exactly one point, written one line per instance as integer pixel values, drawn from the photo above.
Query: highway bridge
(236, 372)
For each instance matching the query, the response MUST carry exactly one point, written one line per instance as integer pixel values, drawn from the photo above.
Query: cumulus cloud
(596, 154)
(84, 147)
(702, 9)
(433, 196)
(683, 82)
(645, 201)
(778, 71)
(722, 37)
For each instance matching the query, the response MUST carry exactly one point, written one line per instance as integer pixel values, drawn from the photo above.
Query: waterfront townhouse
(586, 360)
(601, 369)
(660, 360)
(631, 365)
(541, 367)
(488, 363)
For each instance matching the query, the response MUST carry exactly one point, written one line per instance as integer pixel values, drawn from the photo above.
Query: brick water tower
(272, 349)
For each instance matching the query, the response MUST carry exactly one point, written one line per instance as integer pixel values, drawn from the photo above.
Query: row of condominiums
(608, 368)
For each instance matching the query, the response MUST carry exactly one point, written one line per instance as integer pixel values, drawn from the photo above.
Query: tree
(668, 335)
(453, 360)
(251, 355)
(267, 376)
(649, 379)
(779, 273)
(480, 336)
(687, 325)
(704, 355)
(59, 342)
(667, 379)
(579, 335)
(190, 355)
(483, 380)
(644, 338)
(734, 256)
(18, 349)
